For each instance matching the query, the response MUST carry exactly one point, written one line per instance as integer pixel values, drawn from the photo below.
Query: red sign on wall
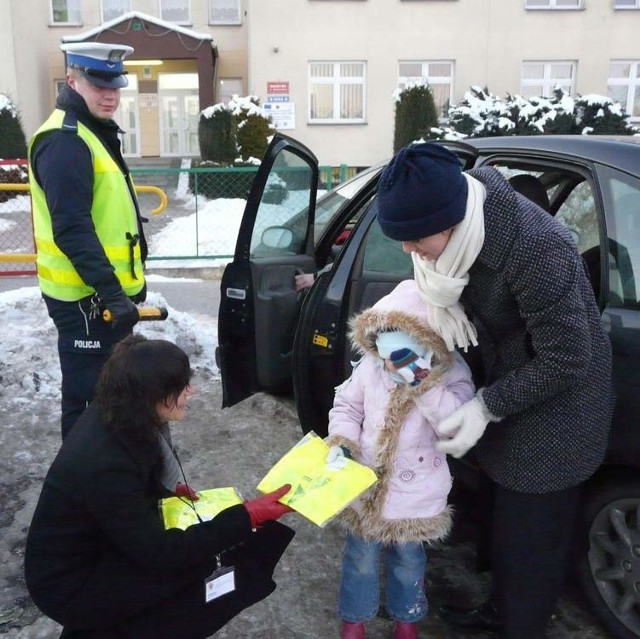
(277, 88)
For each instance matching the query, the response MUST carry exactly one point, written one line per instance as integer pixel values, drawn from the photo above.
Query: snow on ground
(29, 367)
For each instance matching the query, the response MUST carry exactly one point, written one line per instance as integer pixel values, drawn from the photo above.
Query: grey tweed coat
(546, 356)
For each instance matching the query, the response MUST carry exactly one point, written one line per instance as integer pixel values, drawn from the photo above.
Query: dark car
(276, 340)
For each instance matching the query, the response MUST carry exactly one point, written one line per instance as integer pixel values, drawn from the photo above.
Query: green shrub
(234, 132)
(221, 182)
(12, 175)
(13, 144)
(253, 133)
(482, 114)
(416, 115)
(216, 135)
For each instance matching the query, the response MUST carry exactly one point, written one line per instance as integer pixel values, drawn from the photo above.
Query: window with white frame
(176, 11)
(65, 11)
(224, 12)
(626, 4)
(337, 92)
(437, 74)
(623, 85)
(553, 4)
(112, 9)
(540, 79)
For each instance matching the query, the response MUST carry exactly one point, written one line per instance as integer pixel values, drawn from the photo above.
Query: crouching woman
(98, 558)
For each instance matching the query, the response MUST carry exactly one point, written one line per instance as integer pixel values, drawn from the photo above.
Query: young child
(386, 416)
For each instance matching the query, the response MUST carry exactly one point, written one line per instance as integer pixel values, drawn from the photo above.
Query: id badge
(220, 582)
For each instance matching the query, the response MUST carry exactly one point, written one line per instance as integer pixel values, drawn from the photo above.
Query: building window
(626, 4)
(224, 12)
(623, 85)
(336, 92)
(438, 75)
(553, 4)
(178, 11)
(540, 79)
(228, 87)
(65, 11)
(112, 9)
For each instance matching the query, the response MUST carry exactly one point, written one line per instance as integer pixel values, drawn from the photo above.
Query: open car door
(259, 305)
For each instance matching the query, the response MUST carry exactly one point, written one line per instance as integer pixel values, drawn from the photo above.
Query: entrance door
(128, 119)
(179, 112)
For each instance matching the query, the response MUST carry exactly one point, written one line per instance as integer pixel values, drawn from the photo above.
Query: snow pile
(29, 366)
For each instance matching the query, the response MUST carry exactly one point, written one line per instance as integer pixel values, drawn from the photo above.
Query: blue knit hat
(421, 192)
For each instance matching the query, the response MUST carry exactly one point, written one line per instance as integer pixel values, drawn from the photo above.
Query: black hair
(139, 374)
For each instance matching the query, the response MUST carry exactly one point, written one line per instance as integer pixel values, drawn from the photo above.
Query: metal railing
(201, 212)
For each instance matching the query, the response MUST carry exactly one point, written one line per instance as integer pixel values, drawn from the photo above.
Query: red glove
(184, 490)
(267, 507)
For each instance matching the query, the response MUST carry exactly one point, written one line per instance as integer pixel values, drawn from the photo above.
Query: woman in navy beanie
(497, 271)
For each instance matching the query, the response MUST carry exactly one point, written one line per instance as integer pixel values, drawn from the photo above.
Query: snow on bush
(484, 114)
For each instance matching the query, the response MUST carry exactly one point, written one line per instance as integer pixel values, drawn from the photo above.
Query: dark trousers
(531, 536)
(84, 344)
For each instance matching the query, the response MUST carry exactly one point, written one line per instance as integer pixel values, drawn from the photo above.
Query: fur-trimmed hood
(412, 319)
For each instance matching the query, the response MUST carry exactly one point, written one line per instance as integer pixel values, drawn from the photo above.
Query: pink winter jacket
(392, 428)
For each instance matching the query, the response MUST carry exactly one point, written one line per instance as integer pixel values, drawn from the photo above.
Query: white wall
(487, 39)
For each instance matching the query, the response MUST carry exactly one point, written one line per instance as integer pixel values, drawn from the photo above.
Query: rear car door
(259, 306)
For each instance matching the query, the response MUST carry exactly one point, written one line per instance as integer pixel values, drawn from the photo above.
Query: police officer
(87, 224)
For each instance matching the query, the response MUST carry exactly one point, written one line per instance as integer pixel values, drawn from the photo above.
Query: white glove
(464, 426)
(336, 458)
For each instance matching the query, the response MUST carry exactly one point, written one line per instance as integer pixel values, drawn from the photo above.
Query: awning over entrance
(155, 39)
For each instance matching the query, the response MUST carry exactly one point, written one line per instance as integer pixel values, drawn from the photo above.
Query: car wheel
(610, 570)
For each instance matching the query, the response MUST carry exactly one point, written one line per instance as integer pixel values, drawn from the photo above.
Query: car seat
(532, 188)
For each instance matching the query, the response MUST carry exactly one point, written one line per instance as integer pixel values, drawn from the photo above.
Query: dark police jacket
(546, 356)
(61, 164)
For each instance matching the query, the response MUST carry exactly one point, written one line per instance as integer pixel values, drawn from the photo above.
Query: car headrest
(531, 187)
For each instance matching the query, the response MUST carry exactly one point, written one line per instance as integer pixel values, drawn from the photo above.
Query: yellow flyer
(179, 512)
(318, 491)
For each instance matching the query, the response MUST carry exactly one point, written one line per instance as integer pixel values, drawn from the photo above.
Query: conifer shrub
(416, 114)
(483, 114)
(13, 144)
(231, 135)
(216, 135)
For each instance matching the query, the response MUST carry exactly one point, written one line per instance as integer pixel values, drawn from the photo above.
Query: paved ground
(234, 447)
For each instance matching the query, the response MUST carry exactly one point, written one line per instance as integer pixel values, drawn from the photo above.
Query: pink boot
(352, 630)
(405, 630)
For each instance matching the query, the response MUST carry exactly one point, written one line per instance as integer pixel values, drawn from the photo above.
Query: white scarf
(441, 282)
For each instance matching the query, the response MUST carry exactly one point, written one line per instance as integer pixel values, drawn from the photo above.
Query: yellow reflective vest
(114, 218)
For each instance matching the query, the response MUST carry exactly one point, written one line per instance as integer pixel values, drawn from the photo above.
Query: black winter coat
(546, 355)
(97, 550)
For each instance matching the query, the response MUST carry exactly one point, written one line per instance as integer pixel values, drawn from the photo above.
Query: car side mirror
(277, 237)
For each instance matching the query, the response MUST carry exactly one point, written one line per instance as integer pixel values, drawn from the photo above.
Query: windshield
(332, 202)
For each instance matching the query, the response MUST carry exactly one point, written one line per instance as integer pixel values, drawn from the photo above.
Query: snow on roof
(171, 26)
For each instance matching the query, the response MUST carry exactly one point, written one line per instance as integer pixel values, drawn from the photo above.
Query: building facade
(325, 70)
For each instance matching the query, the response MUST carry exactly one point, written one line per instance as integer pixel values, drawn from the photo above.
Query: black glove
(124, 313)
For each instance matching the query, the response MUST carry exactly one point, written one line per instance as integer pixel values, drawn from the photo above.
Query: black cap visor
(105, 80)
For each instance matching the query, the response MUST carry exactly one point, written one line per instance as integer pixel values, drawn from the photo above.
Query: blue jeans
(405, 565)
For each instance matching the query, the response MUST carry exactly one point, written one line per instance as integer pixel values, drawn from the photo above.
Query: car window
(330, 204)
(578, 213)
(283, 213)
(384, 255)
(621, 194)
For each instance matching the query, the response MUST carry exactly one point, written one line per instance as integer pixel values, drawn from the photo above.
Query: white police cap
(100, 63)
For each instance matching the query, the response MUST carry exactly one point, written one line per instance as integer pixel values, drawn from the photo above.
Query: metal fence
(197, 219)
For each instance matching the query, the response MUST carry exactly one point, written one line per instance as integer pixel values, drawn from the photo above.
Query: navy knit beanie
(421, 192)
